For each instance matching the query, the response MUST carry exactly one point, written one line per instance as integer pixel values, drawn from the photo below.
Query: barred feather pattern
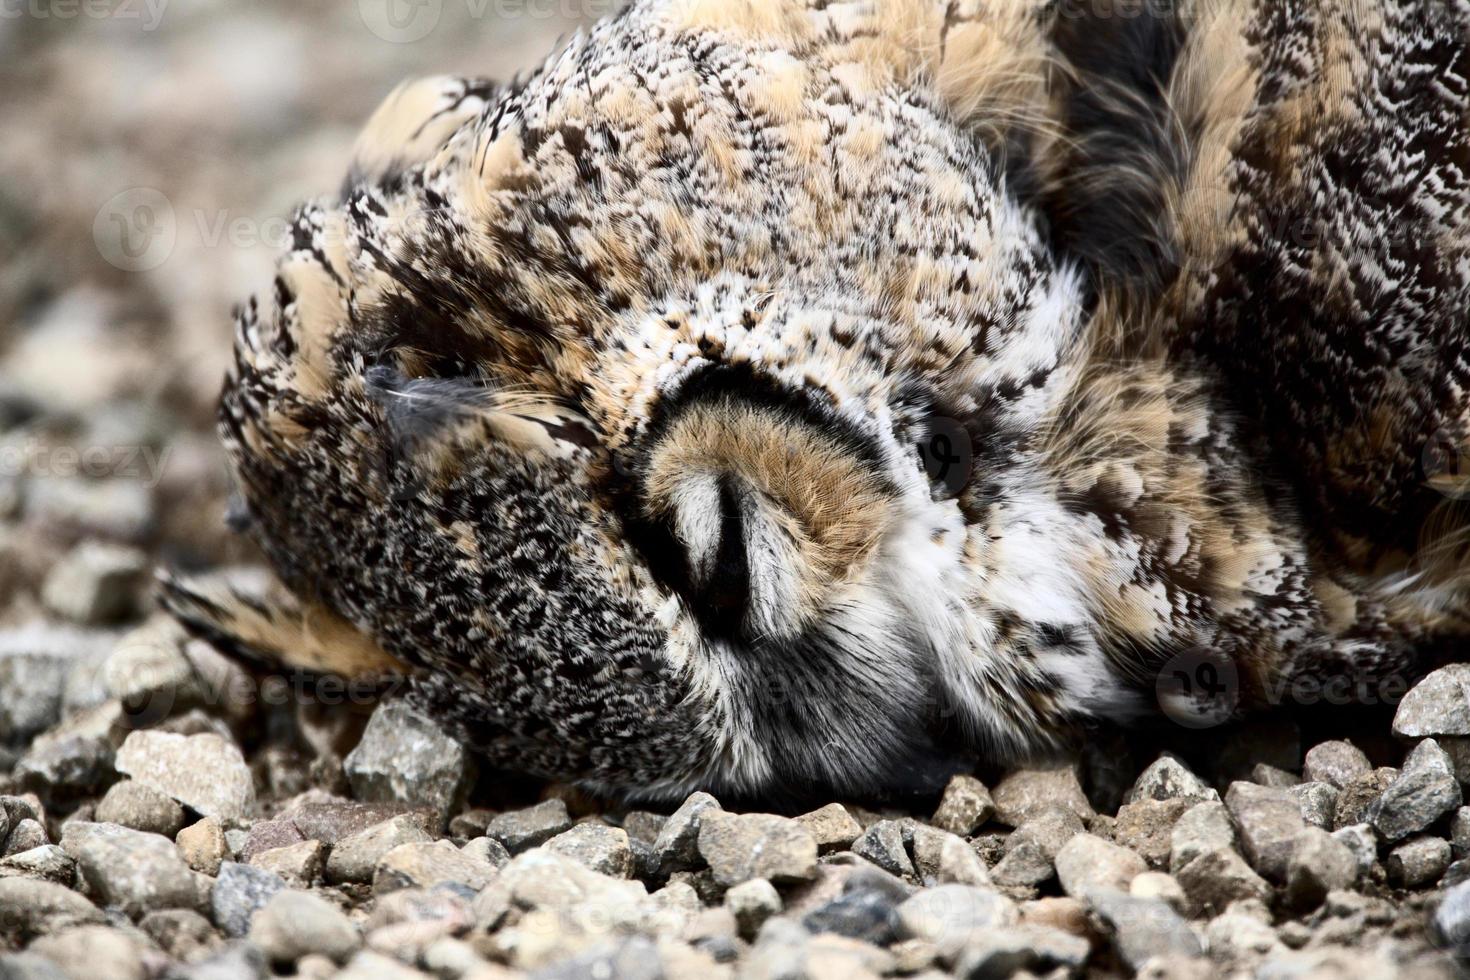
(610, 403)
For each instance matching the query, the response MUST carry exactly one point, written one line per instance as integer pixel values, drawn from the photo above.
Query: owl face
(687, 416)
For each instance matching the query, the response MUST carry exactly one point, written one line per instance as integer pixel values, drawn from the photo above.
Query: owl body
(743, 401)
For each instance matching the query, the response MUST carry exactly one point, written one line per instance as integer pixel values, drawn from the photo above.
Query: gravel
(424, 865)
(1087, 863)
(1142, 928)
(1026, 792)
(1335, 763)
(1437, 705)
(1423, 792)
(1168, 778)
(404, 757)
(97, 583)
(883, 844)
(141, 807)
(833, 827)
(202, 845)
(1418, 862)
(181, 825)
(1319, 863)
(205, 773)
(298, 864)
(966, 805)
(130, 870)
(355, 858)
(293, 924)
(522, 829)
(1268, 821)
(239, 892)
(739, 847)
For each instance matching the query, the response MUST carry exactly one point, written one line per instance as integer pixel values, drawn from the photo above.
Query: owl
(789, 398)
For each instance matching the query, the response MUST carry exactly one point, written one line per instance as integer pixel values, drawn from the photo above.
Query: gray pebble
(1361, 839)
(1168, 778)
(1319, 863)
(1022, 950)
(1087, 862)
(1437, 705)
(300, 864)
(596, 846)
(1423, 792)
(832, 826)
(134, 871)
(489, 850)
(1268, 820)
(424, 865)
(293, 924)
(951, 916)
(1026, 792)
(1147, 827)
(738, 847)
(677, 844)
(240, 892)
(141, 807)
(66, 767)
(95, 951)
(30, 907)
(204, 772)
(966, 805)
(1335, 763)
(355, 857)
(97, 583)
(181, 933)
(1203, 828)
(1451, 923)
(35, 663)
(947, 858)
(29, 966)
(883, 844)
(1215, 879)
(27, 835)
(752, 903)
(1318, 802)
(47, 861)
(531, 827)
(404, 757)
(1142, 928)
(1418, 862)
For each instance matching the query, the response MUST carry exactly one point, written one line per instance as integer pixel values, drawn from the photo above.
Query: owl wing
(1282, 191)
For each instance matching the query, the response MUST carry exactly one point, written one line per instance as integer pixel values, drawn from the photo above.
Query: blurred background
(152, 153)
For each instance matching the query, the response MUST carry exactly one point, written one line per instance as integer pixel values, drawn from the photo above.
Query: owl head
(708, 410)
